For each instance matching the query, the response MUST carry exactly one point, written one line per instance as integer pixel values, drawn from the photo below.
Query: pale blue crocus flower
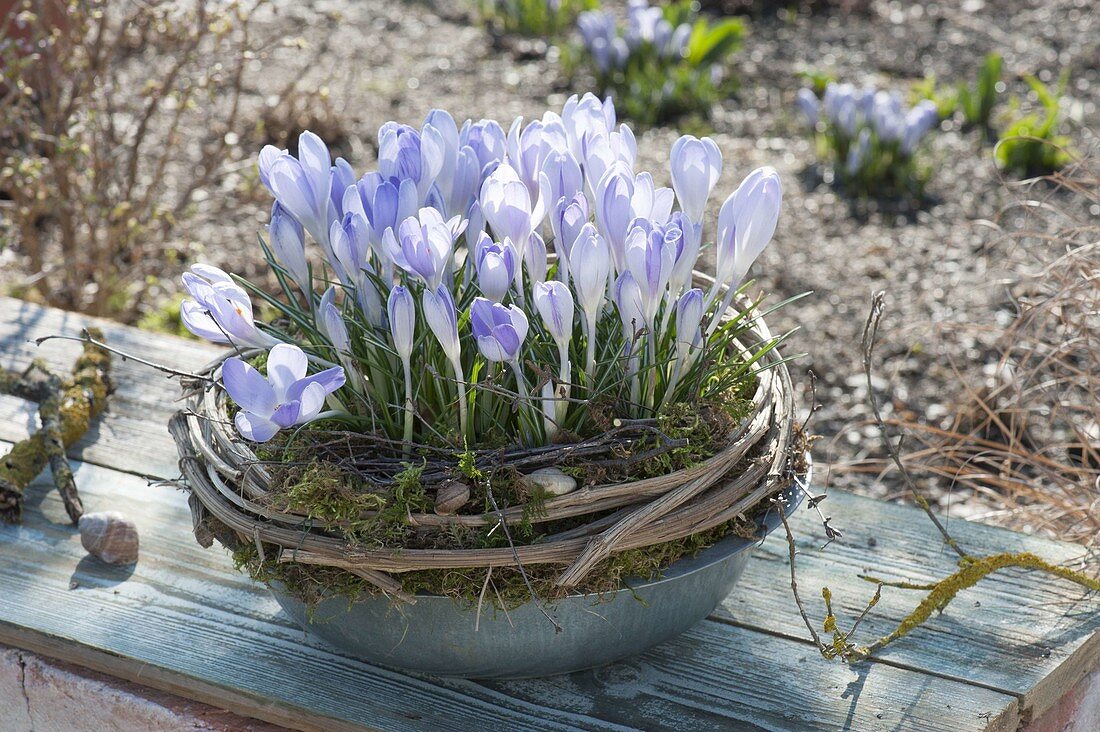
(439, 312)
(495, 264)
(288, 244)
(402, 316)
(221, 310)
(695, 166)
(500, 332)
(746, 223)
(426, 246)
(555, 306)
(487, 141)
(508, 209)
(285, 398)
(918, 122)
(303, 185)
(567, 217)
(591, 270)
(809, 105)
(342, 178)
(330, 321)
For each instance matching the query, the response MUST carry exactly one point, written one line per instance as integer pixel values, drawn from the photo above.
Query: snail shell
(110, 536)
(552, 481)
(451, 496)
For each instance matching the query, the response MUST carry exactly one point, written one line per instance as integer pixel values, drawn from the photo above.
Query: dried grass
(1025, 437)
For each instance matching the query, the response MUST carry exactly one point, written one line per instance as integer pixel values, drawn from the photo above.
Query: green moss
(506, 589)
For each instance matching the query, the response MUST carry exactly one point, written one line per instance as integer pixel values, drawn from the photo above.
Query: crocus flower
(406, 154)
(402, 312)
(342, 178)
(402, 315)
(426, 246)
(584, 117)
(746, 223)
(268, 155)
(487, 141)
(560, 177)
(631, 307)
(555, 306)
(349, 241)
(289, 246)
(439, 311)
(499, 330)
(534, 256)
(529, 147)
(303, 185)
(567, 217)
(287, 397)
(331, 322)
(808, 105)
(495, 264)
(918, 121)
(221, 310)
(507, 205)
(444, 129)
(649, 260)
(613, 210)
(695, 166)
(858, 152)
(689, 336)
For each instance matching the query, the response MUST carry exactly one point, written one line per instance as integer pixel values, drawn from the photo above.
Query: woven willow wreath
(229, 484)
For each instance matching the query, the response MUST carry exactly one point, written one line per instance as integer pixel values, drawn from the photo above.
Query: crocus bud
(649, 261)
(499, 330)
(591, 265)
(918, 121)
(695, 165)
(689, 317)
(534, 256)
(857, 153)
(402, 312)
(496, 267)
(628, 300)
(808, 105)
(426, 245)
(555, 305)
(289, 245)
(303, 185)
(746, 223)
(566, 220)
(506, 203)
(331, 322)
(439, 311)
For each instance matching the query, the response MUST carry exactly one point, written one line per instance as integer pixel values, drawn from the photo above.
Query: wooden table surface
(184, 621)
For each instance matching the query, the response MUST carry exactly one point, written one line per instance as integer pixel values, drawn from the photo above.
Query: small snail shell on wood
(552, 481)
(110, 536)
(452, 495)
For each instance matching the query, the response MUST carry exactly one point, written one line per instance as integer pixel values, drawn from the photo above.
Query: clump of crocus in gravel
(869, 137)
(664, 63)
(484, 286)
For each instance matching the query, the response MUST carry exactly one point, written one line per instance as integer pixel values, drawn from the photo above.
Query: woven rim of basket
(228, 485)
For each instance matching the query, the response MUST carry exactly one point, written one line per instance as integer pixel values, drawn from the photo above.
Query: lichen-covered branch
(66, 410)
(939, 595)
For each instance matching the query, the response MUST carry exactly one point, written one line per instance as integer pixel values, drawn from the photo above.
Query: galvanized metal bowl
(437, 635)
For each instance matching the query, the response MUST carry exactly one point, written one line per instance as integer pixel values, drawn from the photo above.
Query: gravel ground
(943, 266)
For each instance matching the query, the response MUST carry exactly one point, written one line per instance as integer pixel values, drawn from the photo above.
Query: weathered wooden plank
(185, 622)
(133, 435)
(1016, 632)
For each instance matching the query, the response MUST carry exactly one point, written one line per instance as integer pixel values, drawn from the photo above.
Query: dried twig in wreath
(972, 569)
(66, 408)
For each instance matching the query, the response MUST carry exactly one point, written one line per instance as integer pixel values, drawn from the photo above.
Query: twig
(515, 555)
(870, 333)
(87, 338)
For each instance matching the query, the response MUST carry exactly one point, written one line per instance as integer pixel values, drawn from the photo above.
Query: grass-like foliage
(666, 63)
(977, 102)
(535, 18)
(1033, 144)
